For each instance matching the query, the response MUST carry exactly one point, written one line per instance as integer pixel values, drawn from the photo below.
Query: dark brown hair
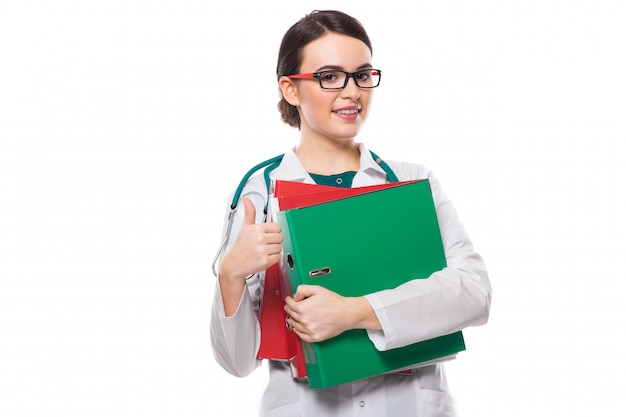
(311, 27)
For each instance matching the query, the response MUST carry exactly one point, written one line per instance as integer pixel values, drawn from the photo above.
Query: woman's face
(333, 114)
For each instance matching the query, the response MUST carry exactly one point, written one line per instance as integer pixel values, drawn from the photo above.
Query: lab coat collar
(368, 164)
(291, 169)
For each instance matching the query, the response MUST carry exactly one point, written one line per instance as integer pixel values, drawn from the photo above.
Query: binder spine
(291, 254)
(293, 275)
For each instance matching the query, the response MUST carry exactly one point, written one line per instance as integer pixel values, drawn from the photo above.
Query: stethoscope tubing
(269, 166)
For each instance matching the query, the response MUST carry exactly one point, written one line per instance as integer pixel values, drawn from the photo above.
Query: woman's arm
(452, 299)
(235, 330)
(316, 313)
(256, 248)
(421, 309)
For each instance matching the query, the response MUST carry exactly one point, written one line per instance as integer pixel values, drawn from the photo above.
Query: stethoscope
(269, 166)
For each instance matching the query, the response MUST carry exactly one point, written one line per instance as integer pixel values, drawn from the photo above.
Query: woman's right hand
(256, 248)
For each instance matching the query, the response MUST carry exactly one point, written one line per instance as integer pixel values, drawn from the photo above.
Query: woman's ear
(289, 90)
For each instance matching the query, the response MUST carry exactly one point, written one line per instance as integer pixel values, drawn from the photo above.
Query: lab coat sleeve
(235, 340)
(452, 299)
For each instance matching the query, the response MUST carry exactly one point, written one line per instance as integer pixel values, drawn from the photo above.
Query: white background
(125, 124)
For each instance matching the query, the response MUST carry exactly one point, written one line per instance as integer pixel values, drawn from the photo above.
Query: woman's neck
(329, 157)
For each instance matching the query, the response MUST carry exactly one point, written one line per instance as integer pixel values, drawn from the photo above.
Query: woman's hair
(308, 29)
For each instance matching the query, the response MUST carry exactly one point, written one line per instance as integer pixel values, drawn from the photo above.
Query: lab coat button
(362, 404)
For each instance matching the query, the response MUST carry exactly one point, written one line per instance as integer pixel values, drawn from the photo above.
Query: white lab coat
(449, 300)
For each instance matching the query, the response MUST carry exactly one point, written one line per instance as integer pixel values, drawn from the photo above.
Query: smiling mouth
(348, 111)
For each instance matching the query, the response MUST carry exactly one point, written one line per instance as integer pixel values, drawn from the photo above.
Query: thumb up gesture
(256, 248)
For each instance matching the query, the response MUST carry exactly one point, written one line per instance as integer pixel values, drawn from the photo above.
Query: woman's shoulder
(255, 185)
(406, 171)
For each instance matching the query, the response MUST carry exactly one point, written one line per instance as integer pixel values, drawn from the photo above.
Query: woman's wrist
(231, 287)
(228, 275)
(364, 315)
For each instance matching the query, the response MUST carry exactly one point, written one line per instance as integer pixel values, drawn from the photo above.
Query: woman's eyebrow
(340, 68)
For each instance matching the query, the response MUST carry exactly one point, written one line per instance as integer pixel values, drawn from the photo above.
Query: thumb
(250, 211)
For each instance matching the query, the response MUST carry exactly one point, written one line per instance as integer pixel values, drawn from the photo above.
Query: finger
(291, 308)
(249, 211)
(274, 248)
(294, 326)
(305, 291)
(302, 334)
(276, 238)
(271, 228)
(272, 239)
(289, 304)
(272, 259)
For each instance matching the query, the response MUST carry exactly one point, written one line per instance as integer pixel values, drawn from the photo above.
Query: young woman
(326, 78)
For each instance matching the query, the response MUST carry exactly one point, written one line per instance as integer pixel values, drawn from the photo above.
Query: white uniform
(449, 300)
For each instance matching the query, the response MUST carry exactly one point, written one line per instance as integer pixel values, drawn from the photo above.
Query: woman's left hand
(316, 313)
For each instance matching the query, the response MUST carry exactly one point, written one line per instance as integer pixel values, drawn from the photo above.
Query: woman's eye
(363, 76)
(329, 76)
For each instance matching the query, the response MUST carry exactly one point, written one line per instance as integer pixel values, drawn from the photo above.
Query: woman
(326, 80)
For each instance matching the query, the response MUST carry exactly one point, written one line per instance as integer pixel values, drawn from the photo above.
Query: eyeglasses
(337, 80)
